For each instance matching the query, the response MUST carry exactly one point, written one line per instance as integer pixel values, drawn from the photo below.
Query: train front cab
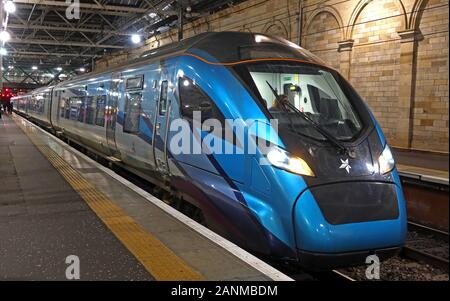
(349, 203)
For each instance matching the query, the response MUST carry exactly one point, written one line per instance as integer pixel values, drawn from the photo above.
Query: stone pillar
(345, 52)
(408, 49)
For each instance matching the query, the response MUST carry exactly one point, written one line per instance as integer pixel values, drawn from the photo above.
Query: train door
(56, 113)
(111, 113)
(162, 111)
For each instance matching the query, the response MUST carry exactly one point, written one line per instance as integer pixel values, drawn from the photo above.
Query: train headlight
(386, 161)
(282, 159)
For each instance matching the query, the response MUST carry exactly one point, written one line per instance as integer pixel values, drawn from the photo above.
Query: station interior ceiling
(50, 43)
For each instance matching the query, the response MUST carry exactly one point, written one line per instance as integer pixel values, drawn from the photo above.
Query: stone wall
(395, 52)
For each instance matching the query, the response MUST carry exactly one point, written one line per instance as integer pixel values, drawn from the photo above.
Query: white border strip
(241, 254)
(343, 275)
(423, 177)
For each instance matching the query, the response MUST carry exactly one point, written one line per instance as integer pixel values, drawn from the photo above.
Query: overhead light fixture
(3, 51)
(82, 69)
(152, 15)
(10, 67)
(5, 36)
(34, 68)
(59, 69)
(10, 7)
(136, 39)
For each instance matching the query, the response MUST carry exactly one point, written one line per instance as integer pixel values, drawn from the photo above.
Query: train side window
(100, 114)
(41, 104)
(91, 107)
(193, 99)
(135, 83)
(82, 109)
(75, 104)
(133, 108)
(66, 108)
(163, 98)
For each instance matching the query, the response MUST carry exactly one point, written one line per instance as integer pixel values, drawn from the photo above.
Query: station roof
(43, 35)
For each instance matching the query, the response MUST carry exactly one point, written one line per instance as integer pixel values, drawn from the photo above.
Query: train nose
(337, 221)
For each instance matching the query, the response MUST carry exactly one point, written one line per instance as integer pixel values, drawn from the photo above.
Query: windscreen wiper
(322, 131)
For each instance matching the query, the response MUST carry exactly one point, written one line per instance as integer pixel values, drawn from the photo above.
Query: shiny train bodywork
(333, 219)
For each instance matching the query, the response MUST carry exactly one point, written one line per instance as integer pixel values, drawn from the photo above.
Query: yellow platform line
(160, 261)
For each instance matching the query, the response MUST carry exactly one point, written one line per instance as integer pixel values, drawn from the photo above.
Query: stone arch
(416, 14)
(276, 28)
(330, 10)
(362, 5)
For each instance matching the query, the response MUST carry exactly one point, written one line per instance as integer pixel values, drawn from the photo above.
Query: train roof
(231, 47)
(38, 90)
(220, 48)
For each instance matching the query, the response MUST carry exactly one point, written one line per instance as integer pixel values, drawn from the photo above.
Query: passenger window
(100, 114)
(75, 104)
(135, 83)
(91, 107)
(66, 108)
(82, 109)
(62, 106)
(163, 98)
(193, 99)
(133, 110)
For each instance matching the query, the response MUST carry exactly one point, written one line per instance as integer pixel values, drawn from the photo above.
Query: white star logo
(345, 165)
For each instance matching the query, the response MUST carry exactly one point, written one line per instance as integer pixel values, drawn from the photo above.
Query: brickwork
(395, 52)
(431, 93)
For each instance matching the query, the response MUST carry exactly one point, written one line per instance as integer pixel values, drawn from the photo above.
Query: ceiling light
(10, 67)
(5, 36)
(34, 68)
(59, 69)
(3, 51)
(82, 70)
(152, 15)
(136, 39)
(10, 7)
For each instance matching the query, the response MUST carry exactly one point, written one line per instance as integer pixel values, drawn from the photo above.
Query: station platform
(423, 166)
(56, 202)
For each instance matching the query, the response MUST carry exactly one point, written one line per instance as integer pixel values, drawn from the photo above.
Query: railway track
(427, 245)
(298, 274)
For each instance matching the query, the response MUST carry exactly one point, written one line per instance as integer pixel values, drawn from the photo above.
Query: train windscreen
(305, 97)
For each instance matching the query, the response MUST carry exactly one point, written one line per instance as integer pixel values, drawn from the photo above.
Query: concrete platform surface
(425, 166)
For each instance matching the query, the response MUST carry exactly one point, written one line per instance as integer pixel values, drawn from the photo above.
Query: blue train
(319, 189)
